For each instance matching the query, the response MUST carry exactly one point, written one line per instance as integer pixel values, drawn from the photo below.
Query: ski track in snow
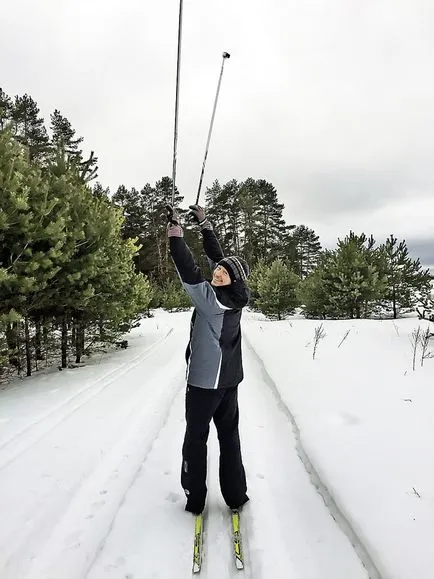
(218, 545)
(286, 529)
(80, 480)
(23, 440)
(114, 509)
(152, 536)
(329, 501)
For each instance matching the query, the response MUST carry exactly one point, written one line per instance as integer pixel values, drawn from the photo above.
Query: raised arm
(187, 269)
(211, 244)
(200, 291)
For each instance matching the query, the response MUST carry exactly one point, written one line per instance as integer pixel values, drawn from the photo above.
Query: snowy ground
(338, 453)
(366, 424)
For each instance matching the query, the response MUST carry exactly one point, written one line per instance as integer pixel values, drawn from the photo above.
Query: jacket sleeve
(212, 247)
(200, 291)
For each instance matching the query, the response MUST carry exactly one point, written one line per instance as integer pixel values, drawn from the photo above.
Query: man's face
(220, 276)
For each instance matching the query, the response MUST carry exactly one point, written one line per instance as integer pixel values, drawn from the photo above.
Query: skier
(214, 363)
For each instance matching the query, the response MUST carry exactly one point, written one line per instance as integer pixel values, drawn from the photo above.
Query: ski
(236, 540)
(197, 548)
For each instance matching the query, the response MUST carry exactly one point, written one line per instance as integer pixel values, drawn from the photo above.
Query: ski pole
(178, 70)
(225, 56)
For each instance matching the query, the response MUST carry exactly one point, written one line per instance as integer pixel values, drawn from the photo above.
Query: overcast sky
(330, 100)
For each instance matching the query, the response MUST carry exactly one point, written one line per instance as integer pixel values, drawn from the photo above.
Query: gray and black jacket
(214, 351)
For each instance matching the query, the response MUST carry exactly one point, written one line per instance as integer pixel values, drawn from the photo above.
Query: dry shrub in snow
(319, 335)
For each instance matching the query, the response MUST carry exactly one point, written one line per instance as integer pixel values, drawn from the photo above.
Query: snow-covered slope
(90, 460)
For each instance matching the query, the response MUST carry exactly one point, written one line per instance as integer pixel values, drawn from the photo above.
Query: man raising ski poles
(214, 361)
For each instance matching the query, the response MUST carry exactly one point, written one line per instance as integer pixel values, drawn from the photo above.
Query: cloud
(424, 250)
(332, 102)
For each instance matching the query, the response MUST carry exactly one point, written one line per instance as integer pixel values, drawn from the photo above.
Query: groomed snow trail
(21, 440)
(94, 492)
(287, 530)
(62, 485)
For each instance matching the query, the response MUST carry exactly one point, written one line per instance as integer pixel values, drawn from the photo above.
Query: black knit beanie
(236, 267)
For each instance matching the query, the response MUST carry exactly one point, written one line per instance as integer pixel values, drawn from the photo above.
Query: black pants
(202, 405)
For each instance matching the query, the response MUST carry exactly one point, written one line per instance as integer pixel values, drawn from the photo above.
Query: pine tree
(219, 203)
(144, 213)
(100, 191)
(249, 209)
(32, 224)
(272, 229)
(277, 289)
(136, 223)
(134, 210)
(248, 219)
(63, 136)
(89, 168)
(97, 284)
(173, 297)
(351, 277)
(5, 109)
(14, 174)
(65, 141)
(228, 218)
(425, 303)
(307, 250)
(405, 277)
(257, 274)
(119, 295)
(29, 127)
(313, 292)
(212, 197)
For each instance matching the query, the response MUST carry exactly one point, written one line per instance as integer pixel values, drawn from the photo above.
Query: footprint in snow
(98, 504)
(350, 418)
(342, 418)
(120, 561)
(173, 497)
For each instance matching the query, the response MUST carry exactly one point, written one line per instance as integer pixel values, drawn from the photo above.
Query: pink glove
(174, 230)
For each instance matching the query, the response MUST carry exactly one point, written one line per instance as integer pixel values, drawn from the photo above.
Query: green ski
(236, 540)
(197, 548)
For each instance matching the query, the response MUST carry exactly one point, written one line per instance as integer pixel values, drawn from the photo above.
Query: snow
(338, 453)
(365, 422)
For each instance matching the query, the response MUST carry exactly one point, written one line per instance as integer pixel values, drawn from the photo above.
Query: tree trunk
(64, 346)
(395, 310)
(45, 340)
(79, 340)
(82, 337)
(12, 342)
(28, 348)
(38, 338)
(75, 323)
